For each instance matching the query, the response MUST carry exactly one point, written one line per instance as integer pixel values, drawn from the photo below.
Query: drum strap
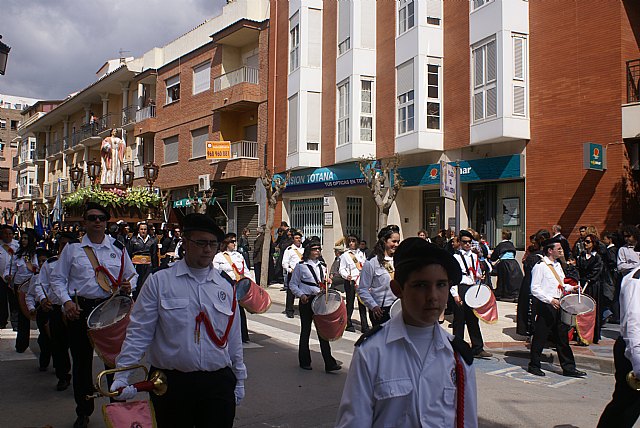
(238, 274)
(560, 282)
(297, 252)
(460, 392)
(8, 249)
(355, 261)
(470, 270)
(105, 280)
(220, 342)
(320, 283)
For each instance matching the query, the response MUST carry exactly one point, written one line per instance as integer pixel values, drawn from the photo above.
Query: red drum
(137, 414)
(252, 297)
(329, 315)
(107, 325)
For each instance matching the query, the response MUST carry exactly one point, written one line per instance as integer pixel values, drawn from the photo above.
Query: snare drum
(107, 327)
(252, 297)
(477, 296)
(573, 305)
(329, 315)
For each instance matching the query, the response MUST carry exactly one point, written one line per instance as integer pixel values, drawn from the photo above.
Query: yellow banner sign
(218, 149)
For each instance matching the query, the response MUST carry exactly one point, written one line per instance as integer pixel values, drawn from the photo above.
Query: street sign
(448, 174)
(594, 156)
(218, 150)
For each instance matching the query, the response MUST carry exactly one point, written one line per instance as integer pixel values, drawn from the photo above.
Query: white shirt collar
(183, 269)
(398, 331)
(87, 242)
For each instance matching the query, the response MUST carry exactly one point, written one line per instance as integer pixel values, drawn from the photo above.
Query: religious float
(128, 204)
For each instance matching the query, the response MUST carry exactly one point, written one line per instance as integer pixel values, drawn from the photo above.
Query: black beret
(417, 250)
(550, 241)
(203, 223)
(388, 231)
(296, 232)
(466, 233)
(97, 206)
(312, 242)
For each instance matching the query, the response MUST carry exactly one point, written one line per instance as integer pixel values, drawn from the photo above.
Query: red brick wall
(329, 88)
(279, 70)
(385, 78)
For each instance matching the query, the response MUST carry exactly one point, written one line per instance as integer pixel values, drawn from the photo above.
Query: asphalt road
(279, 394)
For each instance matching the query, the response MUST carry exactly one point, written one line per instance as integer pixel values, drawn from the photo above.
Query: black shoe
(333, 368)
(306, 367)
(81, 422)
(483, 354)
(351, 328)
(365, 330)
(289, 315)
(20, 351)
(574, 373)
(63, 384)
(535, 371)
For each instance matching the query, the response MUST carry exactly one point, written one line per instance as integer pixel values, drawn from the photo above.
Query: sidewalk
(501, 338)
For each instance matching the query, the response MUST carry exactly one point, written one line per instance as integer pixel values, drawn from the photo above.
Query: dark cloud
(57, 46)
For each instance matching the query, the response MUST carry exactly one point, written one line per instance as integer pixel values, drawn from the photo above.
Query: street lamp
(76, 176)
(4, 55)
(151, 173)
(93, 170)
(127, 177)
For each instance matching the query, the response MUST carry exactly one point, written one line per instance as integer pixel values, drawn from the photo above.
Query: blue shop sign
(340, 175)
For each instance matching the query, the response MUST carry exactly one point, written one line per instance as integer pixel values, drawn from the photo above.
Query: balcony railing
(129, 115)
(29, 121)
(54, 147)
(47, 190)
(26, 191)
(244, 149)
(633, 81)
(146, 113)
(235, 77)
(89, 130)
(109, 121)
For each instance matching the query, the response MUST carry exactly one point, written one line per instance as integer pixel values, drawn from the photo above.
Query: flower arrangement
(136, 197)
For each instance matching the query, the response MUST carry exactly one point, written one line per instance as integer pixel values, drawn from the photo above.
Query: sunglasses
(94, 217)
(465, 241)
(316, 248)
(233, 241)
(587, 241)
(203, 243)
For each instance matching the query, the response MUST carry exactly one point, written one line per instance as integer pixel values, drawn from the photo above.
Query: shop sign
(218, 150)
(594, 156)
(182, 203)
(325, 178)
(448, 180)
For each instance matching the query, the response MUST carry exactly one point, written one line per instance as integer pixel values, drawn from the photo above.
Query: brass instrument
(157, 383)
(633, 381)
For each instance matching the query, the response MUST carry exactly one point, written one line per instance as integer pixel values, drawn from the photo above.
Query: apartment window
(433, 95)
(343, 113)
(14, 125)
(5, 173)
(314, 115)
(366, 110)
(478, 3)
(199, 142)
(406, 17)
(367, 24)
(306, 215)
(434, 12)
(170, 149)
(173, 89)
(344, 26)
(292, 133)
(519, 75)
(314, 39)
(294, 43)
(485, 92)
(202, 77)
(3, 124)
(405, 97)
(354, 217)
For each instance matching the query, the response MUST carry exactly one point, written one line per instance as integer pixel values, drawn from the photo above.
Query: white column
(84, 162)
(105, 110)
(87, 112)
(46, 147)
(140, 100)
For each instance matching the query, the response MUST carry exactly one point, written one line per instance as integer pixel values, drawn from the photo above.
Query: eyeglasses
(203, 243)
(94, 217)
(587, 241)
(466, 241)
(233, 242)
(316, 248)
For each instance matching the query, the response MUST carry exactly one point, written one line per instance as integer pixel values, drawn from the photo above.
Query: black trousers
(44, 341)
(244, 330)
(289, 309)
(304, 354)
(82, 355)
(14, 308)
(624, 409)
(59, 344)
(463, 315)
(350, 290)
(4, 303)
(548, 322)
(196, 399)
(24, 330)
(386, 316)
(257, 269)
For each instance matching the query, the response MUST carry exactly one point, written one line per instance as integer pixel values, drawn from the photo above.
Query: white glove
(127, 393)
(239, 393)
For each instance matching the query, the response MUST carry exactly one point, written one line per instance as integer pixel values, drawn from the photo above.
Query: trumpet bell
(633, 381)
(159, 381)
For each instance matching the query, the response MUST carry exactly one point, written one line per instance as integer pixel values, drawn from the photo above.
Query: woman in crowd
(525, 315)
(591, 269)
(374, 289)
(628, 255)
(243, 247)
(507, 268)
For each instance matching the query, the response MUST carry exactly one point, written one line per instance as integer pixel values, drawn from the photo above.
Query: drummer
(205, 371)
(462, 313)
(351, 262)
(377, 272)
(143, 250)
(231, 262)
(80, 289)
(39, 310)
(309, 278)
(547, 288)
(410, 372)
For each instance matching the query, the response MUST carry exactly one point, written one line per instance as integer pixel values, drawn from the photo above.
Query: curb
(592, 363)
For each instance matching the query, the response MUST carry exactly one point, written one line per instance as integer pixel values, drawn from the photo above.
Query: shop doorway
(482, 211)
(433, 204)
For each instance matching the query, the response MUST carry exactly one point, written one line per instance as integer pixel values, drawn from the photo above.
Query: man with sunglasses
(292, 256)
(204, 367)
(462, 313)
(75, 281)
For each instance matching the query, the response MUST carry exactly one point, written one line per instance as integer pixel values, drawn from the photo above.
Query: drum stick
(579, 294)
(585, 286)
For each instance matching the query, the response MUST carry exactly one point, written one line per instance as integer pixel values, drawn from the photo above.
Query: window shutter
(314, 52)
(202, 78)
(434, 9)
(478, 75)
(313, 116)
(173, 80)
(368, 23)
(404, 76)
(478, 106)
(293, 125)
(492, 101)
(171, 149)
(199, 142)
(519, 100)
(518, 58)
(492, 61)
(344, 20)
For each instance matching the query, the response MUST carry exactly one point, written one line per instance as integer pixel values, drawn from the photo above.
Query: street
(279, 394)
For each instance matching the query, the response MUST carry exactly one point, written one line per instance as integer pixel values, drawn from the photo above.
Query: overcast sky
(58, 45)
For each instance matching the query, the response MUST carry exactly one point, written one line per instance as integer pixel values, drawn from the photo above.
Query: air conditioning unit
(243, 193)
(204, 182)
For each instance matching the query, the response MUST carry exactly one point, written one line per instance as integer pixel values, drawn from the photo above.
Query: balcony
(109, 121)
(29, 121)
(237, 90)
(54, 148)
(244, 149)
(146, 118)
(88, 134)
(244, 161)
(129, 116)
(27, 191)
(631, 110)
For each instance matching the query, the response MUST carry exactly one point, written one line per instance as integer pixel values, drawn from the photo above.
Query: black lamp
(151, 173)
(4, 55)
(76, 175)
(93, 170)
(127, 177)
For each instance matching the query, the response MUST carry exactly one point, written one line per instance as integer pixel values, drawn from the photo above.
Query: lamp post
(76, 176)
(4, 55)
(151, 173)
(127, 177)
(93, 171)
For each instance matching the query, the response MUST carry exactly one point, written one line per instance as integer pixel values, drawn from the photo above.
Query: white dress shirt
(301, 275)
(40, 282)
(348, 266)
(163, 322)
(467, 271)
(375, 284)
(220, 262)
(20, 272)
(628, 260)
(74, 273)
(292, 257)
(5, 257)
(392, 384)
(630, 319)
(544, 284)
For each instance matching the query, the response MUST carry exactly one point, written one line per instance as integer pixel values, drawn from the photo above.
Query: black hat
(296, 232)
(312, 242)
(466, 233)
(388, 231)
(71, 236)
(550, 241)
(415, 249)
(200, 222)
(97, 206)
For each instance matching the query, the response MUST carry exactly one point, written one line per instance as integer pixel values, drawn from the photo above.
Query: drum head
(477, 296)
(575, 304)
(324, 304)
(110, 312)
(396, 308)
(242, 288)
